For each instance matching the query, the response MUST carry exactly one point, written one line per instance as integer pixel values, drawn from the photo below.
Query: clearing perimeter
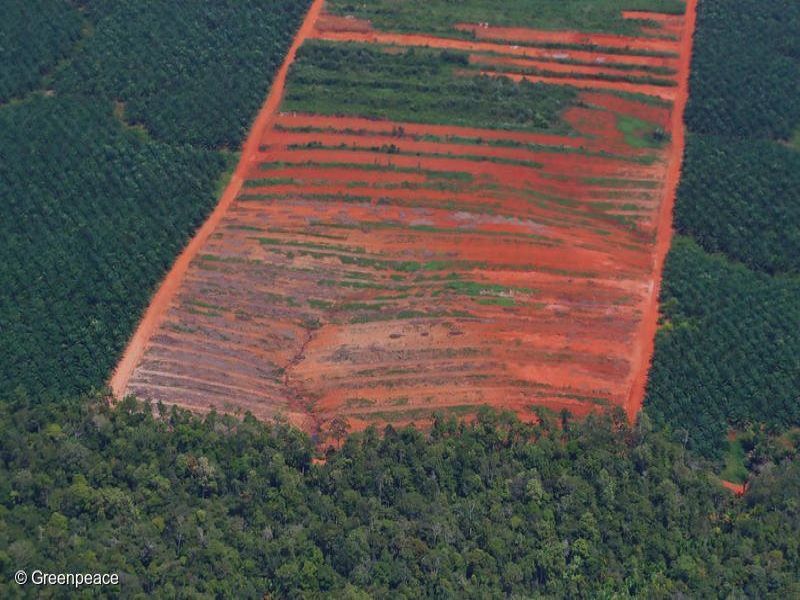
(378, 256)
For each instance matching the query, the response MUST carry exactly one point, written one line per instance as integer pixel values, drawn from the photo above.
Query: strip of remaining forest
(184, 506)
(727, 351)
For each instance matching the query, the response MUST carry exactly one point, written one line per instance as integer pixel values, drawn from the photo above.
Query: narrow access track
(160, 303)
(664, 230)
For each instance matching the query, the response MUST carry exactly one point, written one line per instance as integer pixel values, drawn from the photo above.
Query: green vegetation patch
(417, 85)
(742, 197)
(641, 134)
(440, 16)
(745, 76)
(590, 509)
(735, 469)
(192, 72)
(93, 217)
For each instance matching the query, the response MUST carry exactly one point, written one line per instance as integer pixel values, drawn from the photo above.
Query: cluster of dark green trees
(184, 507)
(112, 150)
(417, 85)
(728, 354)
(745, 78)
(33, 37)
(193, 72)
(741, 197)
(93, 215)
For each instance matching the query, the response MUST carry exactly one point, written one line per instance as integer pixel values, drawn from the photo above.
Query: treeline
(417, 85)
(190, 72)
(727, 355)
(215, 507)
(112, 161)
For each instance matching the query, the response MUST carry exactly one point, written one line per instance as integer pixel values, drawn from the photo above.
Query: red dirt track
(160, 302)
(379, 270)
(664, 236)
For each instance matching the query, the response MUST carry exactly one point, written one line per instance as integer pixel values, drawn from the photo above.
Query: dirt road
(664, 235)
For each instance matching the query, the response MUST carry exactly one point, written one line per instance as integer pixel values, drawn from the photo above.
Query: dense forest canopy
(745, 78)
(727, 352)
(740, 197)
(187, 507)
(190, 72)
(34, 36)
(93, 215)
(417, 85)
(113, 150)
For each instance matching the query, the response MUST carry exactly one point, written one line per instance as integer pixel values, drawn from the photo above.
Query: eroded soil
(380, 271)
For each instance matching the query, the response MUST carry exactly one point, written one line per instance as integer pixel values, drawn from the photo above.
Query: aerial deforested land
(117, 123)
(435, 223)
(727, 353)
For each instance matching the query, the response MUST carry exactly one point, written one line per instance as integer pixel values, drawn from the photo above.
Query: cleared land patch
(437, 223)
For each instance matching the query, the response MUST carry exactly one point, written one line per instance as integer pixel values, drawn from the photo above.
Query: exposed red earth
(737, 488)
(664, 235)
(379, 271)
(522, 35)
(595, 54)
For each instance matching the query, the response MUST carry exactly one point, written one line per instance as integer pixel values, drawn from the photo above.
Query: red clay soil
(235, 333)
(737, 488)
(328, 22)
(553, 66)
(603, 40)
(427, 41)
(664, 230)
(622, 106)
(160, 303)
(659, 91)
(379, 271)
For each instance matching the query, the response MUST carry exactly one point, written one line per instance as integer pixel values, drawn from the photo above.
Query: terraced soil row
(378, 270)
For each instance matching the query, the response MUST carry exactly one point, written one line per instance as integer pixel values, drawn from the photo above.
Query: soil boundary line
(664, 230)
(160, 302)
